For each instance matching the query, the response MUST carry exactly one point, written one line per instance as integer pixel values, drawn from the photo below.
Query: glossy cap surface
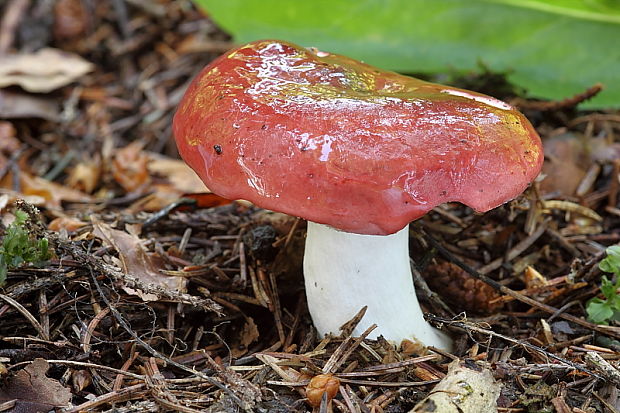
(342, 143)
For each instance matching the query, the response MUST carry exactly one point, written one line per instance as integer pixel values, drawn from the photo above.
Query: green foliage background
(552, 48)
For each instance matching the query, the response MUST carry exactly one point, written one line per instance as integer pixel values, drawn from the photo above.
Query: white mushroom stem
(344, 272)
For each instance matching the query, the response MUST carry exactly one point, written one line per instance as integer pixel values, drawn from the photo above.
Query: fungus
(359, 152)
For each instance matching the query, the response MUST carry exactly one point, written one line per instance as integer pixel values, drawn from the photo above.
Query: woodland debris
(467, 388)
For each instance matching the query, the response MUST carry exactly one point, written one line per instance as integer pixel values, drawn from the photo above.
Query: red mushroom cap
(339, 142)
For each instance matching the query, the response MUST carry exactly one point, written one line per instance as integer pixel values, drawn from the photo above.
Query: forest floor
(149, 303)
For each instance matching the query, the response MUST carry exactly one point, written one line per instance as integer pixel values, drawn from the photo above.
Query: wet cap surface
(342, 143)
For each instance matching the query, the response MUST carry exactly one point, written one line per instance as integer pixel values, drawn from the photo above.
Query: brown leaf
(247, 336)
(80, 379)
(176, 172)
(567, 158)
(129, 167)
(135, 260)
(50, 192)
(168, 180)
(565, 164)
(85, 175)
(70, 19)
(8, 141)
(67, 223)
(43, 71)
(34, 391)
(15, 105)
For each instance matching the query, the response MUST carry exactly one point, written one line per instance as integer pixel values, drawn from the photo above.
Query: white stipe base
(344, 272)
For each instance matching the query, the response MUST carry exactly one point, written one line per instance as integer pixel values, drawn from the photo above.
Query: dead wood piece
(603, 367)
(463, 390)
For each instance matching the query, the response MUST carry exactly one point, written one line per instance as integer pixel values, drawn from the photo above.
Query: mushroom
(359, 152)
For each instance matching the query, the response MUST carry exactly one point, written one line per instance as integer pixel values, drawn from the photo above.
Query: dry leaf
(247, 336)
(85, 175)
(8, 141)
(181, 176)
(66, 223)
(567, 158)
(12, 196)
(172, 177)
(52, 193)
(43, 71)
(135, 260)
(4, 201)
(22, 105)
(533, 279)
(80, 379)
(33, 391)
(129, 167)
(70, 19)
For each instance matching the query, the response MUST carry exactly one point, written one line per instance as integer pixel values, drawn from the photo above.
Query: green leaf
(611, 263)
(553, 48)
(19, 247)
(599, 311)
(614, 252)
(607, 287)
(597, 10)
(3, 268)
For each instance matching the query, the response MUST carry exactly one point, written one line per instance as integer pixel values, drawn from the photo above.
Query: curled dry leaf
(533, 279)
(129, 167)
(85, 175)
(80, 379)
(246, 336)
(43, 71)
(136, 261)
(33, 391)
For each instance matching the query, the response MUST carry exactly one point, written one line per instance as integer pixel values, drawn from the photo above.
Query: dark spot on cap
(218, 149)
